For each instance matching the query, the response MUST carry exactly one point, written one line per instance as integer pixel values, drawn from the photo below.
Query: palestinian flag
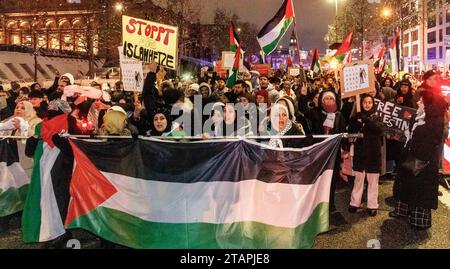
(14, 181)
(348, 58)
(234, 41)
(222, 194)
(343, 50)
(233, 76)
(271, 34)
(394, 51)
(45, 209)
(315, 65)
(377, 61)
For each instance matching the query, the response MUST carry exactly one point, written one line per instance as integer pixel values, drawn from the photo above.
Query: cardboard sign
(357, 78)
(228, 61)
(263, 69)
(150, 41)
(132, 73)
(294, 71)
(395, 118)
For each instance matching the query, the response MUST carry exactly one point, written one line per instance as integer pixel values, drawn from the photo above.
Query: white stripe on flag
(281, 205)
(12, 176)
(271, 36)
(51, 223)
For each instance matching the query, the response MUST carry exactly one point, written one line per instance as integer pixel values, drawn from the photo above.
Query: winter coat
(368, 149)
(425, 144)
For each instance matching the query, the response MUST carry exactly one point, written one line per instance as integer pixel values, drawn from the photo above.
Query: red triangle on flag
(52, 127)
(289, 10)
(89, 188)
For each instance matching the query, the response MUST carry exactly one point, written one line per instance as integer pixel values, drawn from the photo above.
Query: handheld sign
(132, 73)
(150, 41)
(357, 78)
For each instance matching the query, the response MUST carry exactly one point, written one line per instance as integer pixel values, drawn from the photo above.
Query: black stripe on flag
(8, 151)
(206, 162)
(274, 21)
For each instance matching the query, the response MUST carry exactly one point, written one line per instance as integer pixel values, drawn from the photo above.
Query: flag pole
(296, 37)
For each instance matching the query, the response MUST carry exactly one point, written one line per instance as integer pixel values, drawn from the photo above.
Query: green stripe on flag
(128, 230)
(31, 218)
(272, 46)
(232, 79)
(12, 200)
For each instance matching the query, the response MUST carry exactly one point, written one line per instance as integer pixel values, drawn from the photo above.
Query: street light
(386, 12)
(119, 7)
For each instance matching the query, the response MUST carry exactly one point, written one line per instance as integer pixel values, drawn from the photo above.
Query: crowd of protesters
(256, 105)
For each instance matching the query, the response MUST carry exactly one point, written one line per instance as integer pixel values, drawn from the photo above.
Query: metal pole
(265, 137)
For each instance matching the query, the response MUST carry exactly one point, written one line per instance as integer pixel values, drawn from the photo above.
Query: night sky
(313, 16)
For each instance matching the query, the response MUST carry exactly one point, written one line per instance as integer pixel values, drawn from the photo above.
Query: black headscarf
(166, 112)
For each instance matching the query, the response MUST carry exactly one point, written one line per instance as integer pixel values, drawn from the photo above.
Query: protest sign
(395, 118)
(294, 71)
(357, 78)
(150, 41)
(132, 73)
(263, 69)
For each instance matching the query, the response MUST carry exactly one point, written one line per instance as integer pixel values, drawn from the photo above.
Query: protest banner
(150, 41)
(357, 78)
(132, 73)
(294, 71)
(263, 69)
(228, 61)
(395, 118)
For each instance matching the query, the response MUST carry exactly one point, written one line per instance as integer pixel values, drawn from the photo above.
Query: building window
(406, 38)
(431, 53)
(415, 35)
(447, 30)
(440, 35)
(415, 50)
(432, 37)
(431, 20)
(441, 53)
(406, 51)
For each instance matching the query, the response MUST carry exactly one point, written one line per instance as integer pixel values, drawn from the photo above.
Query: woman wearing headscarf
(367, 156)
(404, 95)
(417, 184)
(234, 122)
(327, 120)
(282, 119)
(114, 123)
(22, 123)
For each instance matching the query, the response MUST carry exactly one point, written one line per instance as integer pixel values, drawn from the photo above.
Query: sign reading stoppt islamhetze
(150, 41)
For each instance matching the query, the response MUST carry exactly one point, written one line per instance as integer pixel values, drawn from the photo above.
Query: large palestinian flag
(238, 194)
(47, 200)
(14, 181)
(271, 34)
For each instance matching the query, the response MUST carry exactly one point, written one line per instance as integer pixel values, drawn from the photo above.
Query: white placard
(356, 78)
(132, 73)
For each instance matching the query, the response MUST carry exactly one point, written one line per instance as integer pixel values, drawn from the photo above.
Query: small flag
(233, 77)
(315, 65)
(344, 48)
(271, 34)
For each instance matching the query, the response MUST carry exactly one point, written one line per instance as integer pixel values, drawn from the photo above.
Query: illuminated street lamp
(119, 7)
(386, 12)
